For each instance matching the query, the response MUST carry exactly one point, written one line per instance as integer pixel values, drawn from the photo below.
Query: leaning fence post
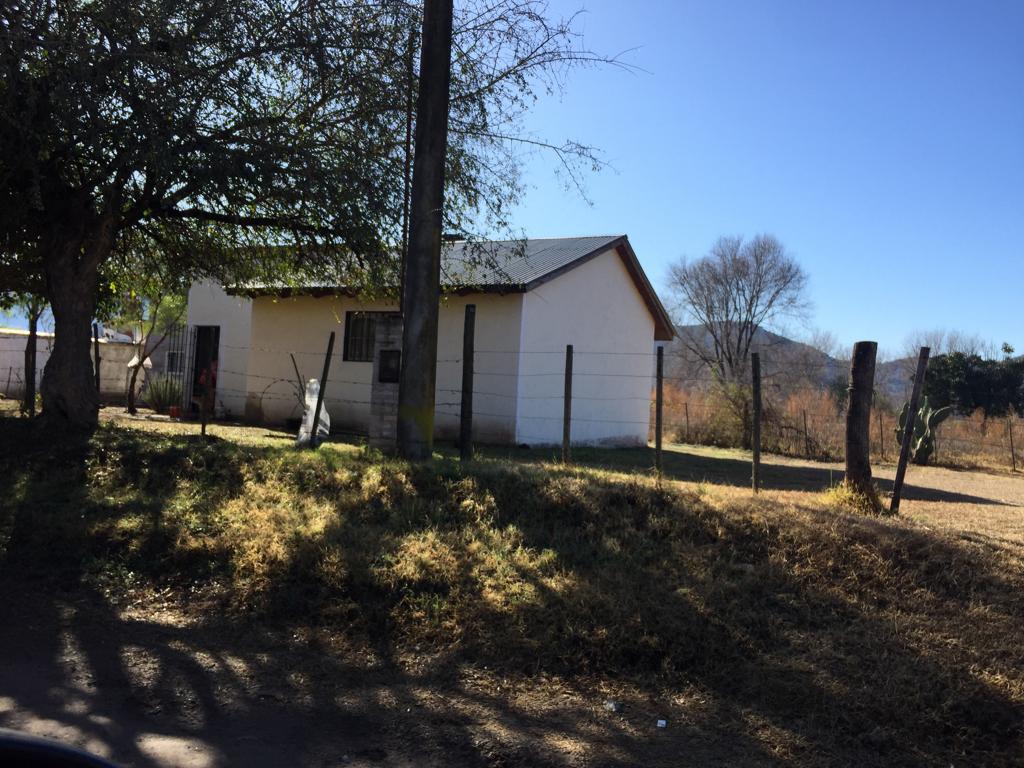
(908, 430)
(1013, 453)
(567, 406)
(466, 411)
(755, 370)
(658, 408)
(315, 432)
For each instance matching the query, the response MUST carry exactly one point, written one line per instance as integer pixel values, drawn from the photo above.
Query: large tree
(271, 136)
(723, 299)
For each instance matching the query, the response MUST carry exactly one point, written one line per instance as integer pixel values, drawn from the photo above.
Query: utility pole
(421, 290)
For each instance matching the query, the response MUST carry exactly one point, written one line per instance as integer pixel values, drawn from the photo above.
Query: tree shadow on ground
(148, 687)
(724, 468)
(814, 642)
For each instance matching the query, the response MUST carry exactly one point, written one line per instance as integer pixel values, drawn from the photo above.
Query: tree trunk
(132, 380)
(69, 387)
(421, 291)
(858, 417)
(29, 395)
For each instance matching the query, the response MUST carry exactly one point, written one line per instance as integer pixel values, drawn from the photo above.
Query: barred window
(175, 362)
(360, 330)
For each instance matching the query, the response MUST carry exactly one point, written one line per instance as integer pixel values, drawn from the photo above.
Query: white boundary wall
(114, 359)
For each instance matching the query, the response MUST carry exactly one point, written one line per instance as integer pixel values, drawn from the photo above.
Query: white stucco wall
(301, 325)
(596, 308)
(114, 358)
(12, 359)
(208, 304)
(519, 363)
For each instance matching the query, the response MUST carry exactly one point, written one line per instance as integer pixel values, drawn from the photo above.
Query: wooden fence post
(858, 417)
(315, 432)
(755, 369)
(567, 406)
(96, 353)
(686, 411)
(658, 408)
(908, 430)
(1013, 453)
(466, 412)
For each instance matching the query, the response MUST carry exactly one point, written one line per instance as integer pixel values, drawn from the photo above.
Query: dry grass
(849, 498)
(812, 631)
(703, 417)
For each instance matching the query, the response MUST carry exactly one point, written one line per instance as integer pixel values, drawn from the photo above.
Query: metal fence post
(881, 436)
(567, 406)
(755, 369)
(1013, 452)
(658, 409)
(807, 438)
(466, 411)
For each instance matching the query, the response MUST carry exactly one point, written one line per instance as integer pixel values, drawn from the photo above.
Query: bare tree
(943, 341)
(725, 297)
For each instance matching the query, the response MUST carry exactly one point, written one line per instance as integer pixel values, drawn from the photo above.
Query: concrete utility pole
(421, 292)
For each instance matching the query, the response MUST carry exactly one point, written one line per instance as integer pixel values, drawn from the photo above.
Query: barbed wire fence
(612, 401)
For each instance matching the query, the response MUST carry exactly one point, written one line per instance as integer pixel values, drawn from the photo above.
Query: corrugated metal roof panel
(514, 262)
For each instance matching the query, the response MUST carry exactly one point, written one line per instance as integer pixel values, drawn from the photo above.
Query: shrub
(163, 392)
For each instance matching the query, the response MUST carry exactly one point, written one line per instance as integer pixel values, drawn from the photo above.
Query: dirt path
(971, 502)
(150, 690)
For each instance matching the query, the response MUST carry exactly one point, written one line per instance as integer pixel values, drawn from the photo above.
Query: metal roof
(515, 262)
(499, 266)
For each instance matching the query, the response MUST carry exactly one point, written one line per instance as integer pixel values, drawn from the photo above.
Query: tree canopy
(969, 382)
(222, 130)
(739, 287)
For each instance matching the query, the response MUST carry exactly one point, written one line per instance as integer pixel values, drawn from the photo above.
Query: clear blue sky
(882, 142)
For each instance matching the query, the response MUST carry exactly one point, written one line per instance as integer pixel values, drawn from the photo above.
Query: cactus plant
(162, 392)
(926, 422)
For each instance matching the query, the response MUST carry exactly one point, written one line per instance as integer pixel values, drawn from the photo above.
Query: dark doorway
(204, 370)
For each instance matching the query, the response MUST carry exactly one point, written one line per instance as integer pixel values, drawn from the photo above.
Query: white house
(535, 298)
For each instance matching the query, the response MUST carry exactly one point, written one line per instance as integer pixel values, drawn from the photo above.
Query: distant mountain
(894, 379)
(785, 363)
